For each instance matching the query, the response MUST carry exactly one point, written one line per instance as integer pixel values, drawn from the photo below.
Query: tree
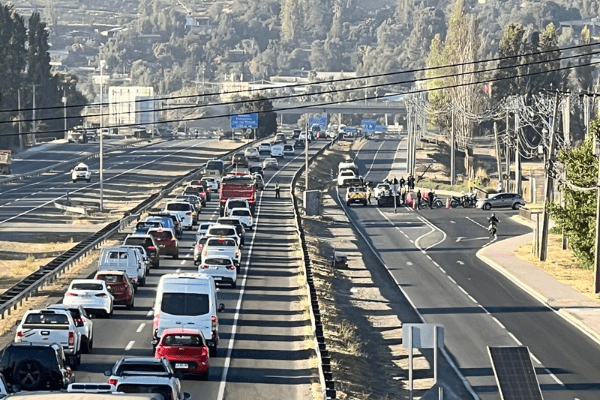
(290, 21)
(578, 215)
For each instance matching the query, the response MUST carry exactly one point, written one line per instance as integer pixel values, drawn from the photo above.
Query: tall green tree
(578, 215)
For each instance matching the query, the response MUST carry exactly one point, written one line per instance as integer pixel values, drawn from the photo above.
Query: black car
(148, 243)
(35, 367)
(141, 228)
(299, 143)
(257, 169)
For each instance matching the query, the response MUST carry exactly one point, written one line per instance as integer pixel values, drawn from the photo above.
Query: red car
(186, 349)
(119, 285)
(167, 242)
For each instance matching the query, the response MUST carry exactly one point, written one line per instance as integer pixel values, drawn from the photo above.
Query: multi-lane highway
(431, 255)
(266, 348)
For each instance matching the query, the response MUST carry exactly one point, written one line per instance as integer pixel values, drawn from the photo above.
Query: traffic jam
(49, 342)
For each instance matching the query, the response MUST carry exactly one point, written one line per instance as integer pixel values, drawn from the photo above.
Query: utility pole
(306, 159)
(33, 122)
(408, 131)
(452, 151)
(517, 155)
(498, 156)
(64, 100)
(20, 120)
(549, 185)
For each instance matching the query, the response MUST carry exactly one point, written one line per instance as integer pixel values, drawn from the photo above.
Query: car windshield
(118, 255)
(190, 304)
(163, 390)
(347, 173)
(162, 235)
(221, 242)
(86, 286)
(147, 225)
(178, 207)
(46, 319)
(222, 232)
(80, 168)
(237, 204)
(229, 221)
(111, 278)
(241, 213)
(182, 340)
(140, 367)
(133, 241)
(217, 261)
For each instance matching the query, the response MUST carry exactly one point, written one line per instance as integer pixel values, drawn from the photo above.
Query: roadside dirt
(362, 313)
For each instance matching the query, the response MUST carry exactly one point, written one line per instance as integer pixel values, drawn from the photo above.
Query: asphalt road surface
(265, 347)
(431, 255)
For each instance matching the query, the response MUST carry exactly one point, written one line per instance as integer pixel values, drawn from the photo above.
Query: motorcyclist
(493, 221)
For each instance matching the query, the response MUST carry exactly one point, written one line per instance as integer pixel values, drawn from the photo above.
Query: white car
(252, 153)
(244, 215)
(83, 322)
(277, 150)
(381, 189)
(212, 183)
(91, 294)
(202, 228)
(184, 210)
(270, 163)
(344, 176)
(221, 268)
(264, 148)
(80, 172)
(288, 150)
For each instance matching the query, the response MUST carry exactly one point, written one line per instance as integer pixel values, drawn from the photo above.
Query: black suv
(148, 243)
(35, 367)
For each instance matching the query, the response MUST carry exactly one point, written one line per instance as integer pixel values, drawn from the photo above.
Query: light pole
(64, 101)
(101, 136)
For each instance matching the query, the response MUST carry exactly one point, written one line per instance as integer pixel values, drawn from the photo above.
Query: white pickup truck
(51, 326)
(226, 247)
(81, 171)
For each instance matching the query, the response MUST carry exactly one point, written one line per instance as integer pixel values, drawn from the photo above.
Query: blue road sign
(244, 121)
(369, 125)
(381, 128)
(321, 121)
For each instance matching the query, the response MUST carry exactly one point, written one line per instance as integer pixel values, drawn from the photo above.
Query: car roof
(86, 281)
(110, 272)
(181, 331)
(138, 360)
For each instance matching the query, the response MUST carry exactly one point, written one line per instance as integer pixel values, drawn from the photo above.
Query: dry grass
(561, 264)
(36, 247)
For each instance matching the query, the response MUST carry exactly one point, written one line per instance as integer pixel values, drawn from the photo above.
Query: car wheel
(85, 346)
(91, 344)
(516, 206)
(88, 180)
(143, 281)
(131, 303)
(74, 180)
(29, 374)
(348, 203)
(212, 350)
(364, 203)
(176, 256)
(233, 285)
(487, 206)
(203, 377)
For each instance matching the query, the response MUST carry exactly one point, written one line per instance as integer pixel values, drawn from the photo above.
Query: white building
(132, 105)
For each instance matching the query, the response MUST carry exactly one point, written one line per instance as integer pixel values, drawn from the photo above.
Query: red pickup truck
(237, 186)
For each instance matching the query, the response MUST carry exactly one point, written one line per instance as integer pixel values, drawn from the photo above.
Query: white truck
(51, 326)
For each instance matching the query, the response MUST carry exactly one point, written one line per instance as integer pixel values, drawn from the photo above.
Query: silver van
(189, 301)
(124, 258)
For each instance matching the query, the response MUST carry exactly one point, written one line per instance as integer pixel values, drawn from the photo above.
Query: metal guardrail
(29, 286)
(74, 161)
(325, 374)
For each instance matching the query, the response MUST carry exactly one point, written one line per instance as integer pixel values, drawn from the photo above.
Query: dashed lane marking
(129, 345)
(141, 327)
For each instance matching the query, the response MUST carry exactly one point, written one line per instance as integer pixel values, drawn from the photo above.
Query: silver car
(512, 200)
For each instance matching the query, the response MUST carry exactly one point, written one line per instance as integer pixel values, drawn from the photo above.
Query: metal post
(498, 156)
(101, 172)
(410, 362)
(33, 122)
(20, 119)
(435, 354)
(64, 100)
(306, 159)
(101, 97)
(452, 152)
(517, 156)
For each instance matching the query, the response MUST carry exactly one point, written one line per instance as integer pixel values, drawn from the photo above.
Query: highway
(265, 347)
(431, 255)
(130, 176)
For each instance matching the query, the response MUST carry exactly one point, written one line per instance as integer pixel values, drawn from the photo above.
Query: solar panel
(515, 373)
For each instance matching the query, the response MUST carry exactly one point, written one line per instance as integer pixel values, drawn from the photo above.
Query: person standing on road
(419, 199)
(401, 182)
(430, 199)
(277, 191)
(369, 194)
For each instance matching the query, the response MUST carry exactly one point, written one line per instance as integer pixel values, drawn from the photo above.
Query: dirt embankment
(362, 312)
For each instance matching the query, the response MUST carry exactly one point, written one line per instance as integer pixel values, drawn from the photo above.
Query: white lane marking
(472, 298)
(150, 313)
(462, 289)
(515, 338)
(373, 163)
(460, 262)
(502, 326)
(554, 377)
(141, 327)
(409, 263)
(452, 280)
(227, 362)
(534, 358)
(475, 222)
(178, 270)
(129, 345)
(452, 222)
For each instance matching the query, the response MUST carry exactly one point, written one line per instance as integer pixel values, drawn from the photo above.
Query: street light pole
(306, 159)
(64, 100)
(101, 136)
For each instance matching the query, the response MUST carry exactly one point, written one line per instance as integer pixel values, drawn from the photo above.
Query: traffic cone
(414, 203)
(447, 202)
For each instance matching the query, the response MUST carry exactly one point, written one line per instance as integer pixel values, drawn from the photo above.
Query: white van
(348, 165)
(124, 258)
(187, 301)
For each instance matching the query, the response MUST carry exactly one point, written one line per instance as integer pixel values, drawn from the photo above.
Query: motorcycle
(437, 202)
(466, 200)
(492, 228)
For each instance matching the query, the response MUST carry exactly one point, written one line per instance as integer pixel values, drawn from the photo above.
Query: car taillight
(79, 320)
(71, 339)
(19, 334)
(204, 266)
(72, 294)
(151, 248)
(134, 280)
(231, 267)
(213, 320)
(101, 295)
(173, 239)
(188, 213)
(155, 321)
(113, 381)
